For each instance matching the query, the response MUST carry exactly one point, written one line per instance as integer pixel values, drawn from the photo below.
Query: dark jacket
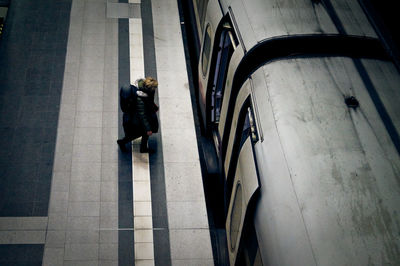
(140, 117)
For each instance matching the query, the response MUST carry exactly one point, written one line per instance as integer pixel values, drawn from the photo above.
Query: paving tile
(67, 111)
(82, 237)
(109, 171)
(58, 206)
(144, 263)
(108, 262)
(98, 27)
(109, 208)
(59, 196)
(193, 262)
(83, 223)
(62, 161)
(90, 88)
(83, 208)
(53, 256)
(69, 97)
(141, 191)
(89, 119)
(178, 105)
(109, 191)
(108, 251)
(144, 251)
(108, 222)
(92, 262)
(108, 236)
(84, 191)
(94, 37)
(190, 244)
(187, 214)
(81, 251)
(23, 223)
(90, 153)
(143, 235)
(90, 104)
(169, 90)
(110, 119)
(29, 237)
(142, 208)
(166, 55)
(65, 145)
(88, 135)
(175, 151)
(83, 171)
(93, 74)
(94, 50)
(141, 171)
(143, 222)
(57, 221)
(60, 185)
(55, 239)
(70, 83)
(110, 136)
(109, 153)
(110, 99)
(183, 182)
(173, 120)
(95, 12)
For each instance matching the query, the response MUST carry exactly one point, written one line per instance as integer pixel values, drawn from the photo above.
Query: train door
(213, 17)
(227, 44)
(241, 236)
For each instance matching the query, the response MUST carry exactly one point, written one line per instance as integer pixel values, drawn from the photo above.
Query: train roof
(259, 20)
(331, 172)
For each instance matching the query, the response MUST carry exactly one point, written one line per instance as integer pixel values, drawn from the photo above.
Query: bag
(154, 122)
(127, 96)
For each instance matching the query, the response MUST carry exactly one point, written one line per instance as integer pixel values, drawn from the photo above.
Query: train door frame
(243, 245)
(225, 44)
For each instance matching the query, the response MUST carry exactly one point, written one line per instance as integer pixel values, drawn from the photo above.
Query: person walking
(139, 112)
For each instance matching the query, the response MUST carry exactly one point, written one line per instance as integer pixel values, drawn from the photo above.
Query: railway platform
(68, 195)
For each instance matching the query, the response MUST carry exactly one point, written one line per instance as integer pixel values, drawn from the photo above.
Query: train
(300, 99)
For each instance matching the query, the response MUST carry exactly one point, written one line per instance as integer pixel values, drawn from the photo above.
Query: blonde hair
(150, 83)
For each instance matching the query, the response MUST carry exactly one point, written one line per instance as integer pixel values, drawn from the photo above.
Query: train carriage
(301, 101)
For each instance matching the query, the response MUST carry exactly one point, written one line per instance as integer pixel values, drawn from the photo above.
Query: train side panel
(278, 220)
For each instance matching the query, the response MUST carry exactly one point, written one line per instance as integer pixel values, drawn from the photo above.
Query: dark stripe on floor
(126, 255)
(18, 255)
(32, 59)
(162, 255)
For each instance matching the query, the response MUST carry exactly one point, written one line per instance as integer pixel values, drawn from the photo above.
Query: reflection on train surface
(300, 99)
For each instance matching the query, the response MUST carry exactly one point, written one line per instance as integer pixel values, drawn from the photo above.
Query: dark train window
(236, 216)
(201, 9)
(205, 56)
(226, 46)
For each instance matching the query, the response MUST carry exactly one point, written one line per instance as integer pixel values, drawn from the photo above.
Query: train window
(249, 128)
(205, 56)
(236, 216)
(201, 9)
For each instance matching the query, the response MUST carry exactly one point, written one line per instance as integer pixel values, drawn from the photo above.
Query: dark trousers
(143, 143)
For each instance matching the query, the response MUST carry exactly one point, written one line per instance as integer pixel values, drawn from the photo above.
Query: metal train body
(303, 104)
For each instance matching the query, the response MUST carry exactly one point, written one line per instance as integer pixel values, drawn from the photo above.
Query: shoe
(121, 145)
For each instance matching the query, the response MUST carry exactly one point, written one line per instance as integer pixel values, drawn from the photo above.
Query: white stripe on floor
(143, 220)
